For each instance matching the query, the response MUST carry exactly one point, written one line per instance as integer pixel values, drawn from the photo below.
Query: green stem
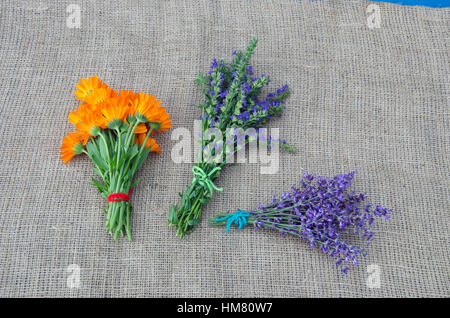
(131, 133)
(118, 149)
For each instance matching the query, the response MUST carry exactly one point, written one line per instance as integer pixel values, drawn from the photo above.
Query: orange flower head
(154, 147)
(76, 115)
(99, 95)
(92, 123)
(146, 108)
(141, 129)
(115, 112)
(160, 120)
(86, 86)
(142, 106)
(72, 145)
(130, 95)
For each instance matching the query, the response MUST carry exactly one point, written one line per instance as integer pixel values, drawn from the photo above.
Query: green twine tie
(204, 179)
(239, 218)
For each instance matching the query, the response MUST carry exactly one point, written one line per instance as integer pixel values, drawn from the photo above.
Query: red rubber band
(114, 197)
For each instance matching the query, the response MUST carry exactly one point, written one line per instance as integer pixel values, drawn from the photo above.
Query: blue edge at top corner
(425, 3)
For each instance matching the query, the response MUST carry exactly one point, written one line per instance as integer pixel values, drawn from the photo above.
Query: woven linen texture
(371, 99)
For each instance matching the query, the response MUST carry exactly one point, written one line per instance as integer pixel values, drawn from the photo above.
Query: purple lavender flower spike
(320, 212)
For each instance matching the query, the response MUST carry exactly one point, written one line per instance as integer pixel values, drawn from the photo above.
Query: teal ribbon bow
(239, 218)
(205, 179)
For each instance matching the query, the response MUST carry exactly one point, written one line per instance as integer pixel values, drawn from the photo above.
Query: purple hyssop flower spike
(232, 98)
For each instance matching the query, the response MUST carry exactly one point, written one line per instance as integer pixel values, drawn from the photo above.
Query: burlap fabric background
(375, 100)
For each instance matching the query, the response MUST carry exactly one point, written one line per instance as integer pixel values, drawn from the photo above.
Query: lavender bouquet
(319, 212)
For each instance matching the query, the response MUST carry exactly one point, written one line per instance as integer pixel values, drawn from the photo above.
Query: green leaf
(101, 188)
(97, 172)
(173, 217)
(135, 183)
(193, 222)
(200, 80)
(96, 157)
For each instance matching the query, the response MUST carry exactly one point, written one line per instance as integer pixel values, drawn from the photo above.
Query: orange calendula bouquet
(115, 130)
